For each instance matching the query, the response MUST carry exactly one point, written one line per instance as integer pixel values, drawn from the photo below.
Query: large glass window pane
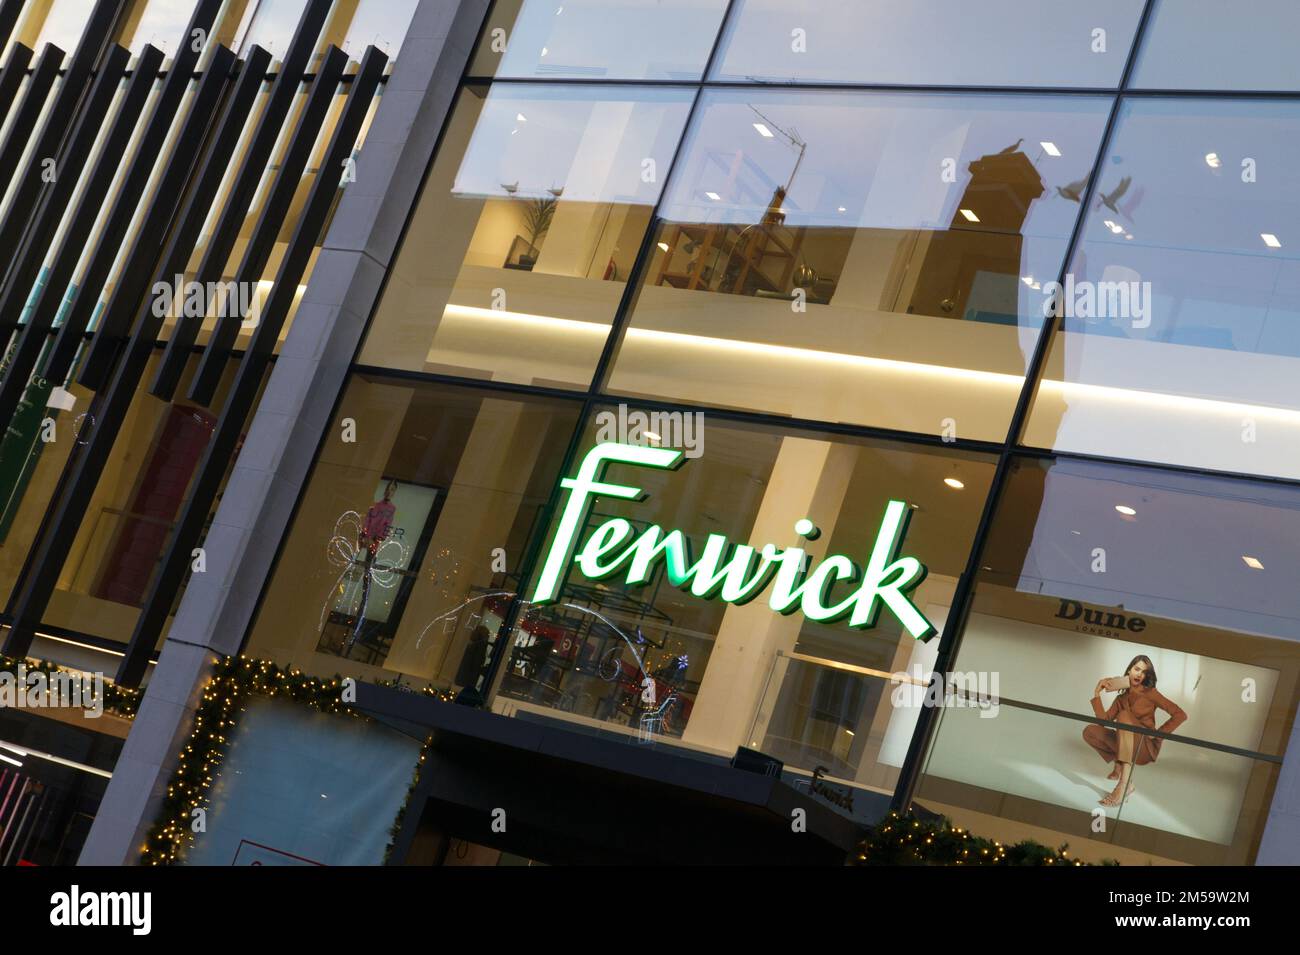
(867, 258)
(929, 42)
(678, 662)
(607, 39)
(1211, 45)
(403, 535)
(1090, 569)
(529, 224)
(1180, 336)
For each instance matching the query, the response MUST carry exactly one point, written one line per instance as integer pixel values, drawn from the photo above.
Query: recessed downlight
(1125, 510)
(1252, 562)
(970, 216)
(1270, 240)
(763, 131)
(1050, 148)
(953, 483)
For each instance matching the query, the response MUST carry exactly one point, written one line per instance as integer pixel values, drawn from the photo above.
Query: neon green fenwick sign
(725, 570)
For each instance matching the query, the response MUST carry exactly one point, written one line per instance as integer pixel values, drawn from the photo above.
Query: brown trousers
(1117, 745)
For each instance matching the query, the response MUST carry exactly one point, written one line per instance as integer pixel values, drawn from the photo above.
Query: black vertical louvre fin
(243, 393)
(151, 145)
(9, 11)
(11, 77)
(143, 258)
(82, 473)
(18, 135)
(51, 139)
(269, 221)
(252, 166)
(26, 272)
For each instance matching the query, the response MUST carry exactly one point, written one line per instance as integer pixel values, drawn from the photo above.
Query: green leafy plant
(910, 840)
(538, 214)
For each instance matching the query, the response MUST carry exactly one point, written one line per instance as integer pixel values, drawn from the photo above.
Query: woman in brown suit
(1136, 705)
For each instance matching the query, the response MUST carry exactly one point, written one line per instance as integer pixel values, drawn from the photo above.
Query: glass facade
(904, 391)
(832, 301)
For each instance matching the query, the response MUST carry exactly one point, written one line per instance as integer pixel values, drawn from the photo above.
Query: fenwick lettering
(734, 573)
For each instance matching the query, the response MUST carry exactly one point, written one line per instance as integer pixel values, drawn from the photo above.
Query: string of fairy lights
(198, 766)
(118, 700)
(909, 840)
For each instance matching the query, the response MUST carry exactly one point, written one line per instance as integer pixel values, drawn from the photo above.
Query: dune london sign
(734, 573)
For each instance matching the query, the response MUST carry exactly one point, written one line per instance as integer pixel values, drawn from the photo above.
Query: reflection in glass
(1180, 335)
(1094, 575)
(655, 661)
(929, 42)
(528, 226)
(598, 39)
(1211, 45)
(870, 258)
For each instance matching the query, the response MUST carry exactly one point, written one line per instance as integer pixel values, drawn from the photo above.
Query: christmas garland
(118, 700)
(911, 840)
(233, 679)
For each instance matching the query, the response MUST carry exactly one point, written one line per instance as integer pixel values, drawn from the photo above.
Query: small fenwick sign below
(734, 573)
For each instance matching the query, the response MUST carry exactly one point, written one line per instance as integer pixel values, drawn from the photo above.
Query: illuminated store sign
(725, 570)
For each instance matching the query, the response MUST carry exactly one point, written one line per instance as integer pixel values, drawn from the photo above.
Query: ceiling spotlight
(1213, 161)
(1252, 562)
(1125, 510)
(1270, 240)
(970, 216)
(663, 245)
(1050, 149)
(763, 131)
(953, 483)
